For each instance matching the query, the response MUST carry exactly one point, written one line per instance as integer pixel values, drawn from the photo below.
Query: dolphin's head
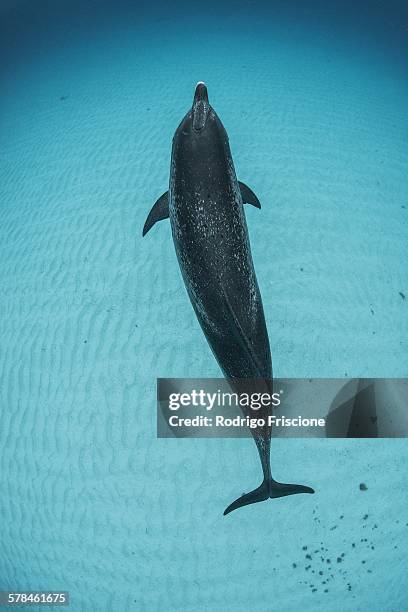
(201, 107)
(200, 135)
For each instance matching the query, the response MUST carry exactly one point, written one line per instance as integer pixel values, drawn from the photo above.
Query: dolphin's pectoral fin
(268, 489)
(159, 212)
(248, 196)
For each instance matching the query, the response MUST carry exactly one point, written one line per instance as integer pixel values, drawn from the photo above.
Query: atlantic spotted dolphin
(205, 206)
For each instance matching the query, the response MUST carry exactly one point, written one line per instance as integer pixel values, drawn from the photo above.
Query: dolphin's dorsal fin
(159, 212)
(248, 196)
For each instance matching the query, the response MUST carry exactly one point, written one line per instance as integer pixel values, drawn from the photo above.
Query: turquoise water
(314, 99)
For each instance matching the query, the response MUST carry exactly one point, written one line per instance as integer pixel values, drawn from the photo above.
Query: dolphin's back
(212, 245)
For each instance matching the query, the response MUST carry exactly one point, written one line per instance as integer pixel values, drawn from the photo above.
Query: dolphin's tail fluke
(268, 489)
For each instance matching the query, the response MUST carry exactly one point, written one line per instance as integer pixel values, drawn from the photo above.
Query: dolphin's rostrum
(205, 206)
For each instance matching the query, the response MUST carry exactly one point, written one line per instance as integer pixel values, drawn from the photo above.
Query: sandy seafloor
(314, 98)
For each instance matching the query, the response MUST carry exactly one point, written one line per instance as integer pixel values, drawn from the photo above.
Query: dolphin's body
(205, 207)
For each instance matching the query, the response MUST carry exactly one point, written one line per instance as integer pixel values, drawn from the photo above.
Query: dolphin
(205, 206)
